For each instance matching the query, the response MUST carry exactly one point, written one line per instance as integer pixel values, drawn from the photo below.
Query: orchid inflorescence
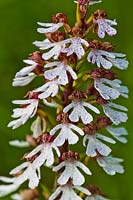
(72, 106)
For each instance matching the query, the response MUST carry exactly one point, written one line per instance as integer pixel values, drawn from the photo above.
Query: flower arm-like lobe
(19, 168)
(104, 26)
(7, 189)
(77, 177)
(60, 166)
(49, 27)
(65, 134)
(118, 133)
(18, 143)
(43, 45)
(96, 197)
(106, 90)
(40, 160)
(95, 145)
(55, 129)
(24, 113)
(82, 189)
(76, 128)
(75, 114)
(71, 71)
(28, 69)
(48, 89)
(83, 167)
(115, 116)
(105, 138)
(111, 165)
(6, 179)
(33, 179)
(22, 81)
(55, 194)
(38, 126)
(68, 107)
(91, 107)
(35, 151)
(16, 197)
(46, 156)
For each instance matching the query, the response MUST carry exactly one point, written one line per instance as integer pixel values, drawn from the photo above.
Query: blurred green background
(18, 30)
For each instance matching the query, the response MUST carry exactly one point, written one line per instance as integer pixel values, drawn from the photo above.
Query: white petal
(19, 168)
(76, 128)
(118, 133)
(7, 189)
(85, 116)
(58, 167)
(68, 107)
(64, 177)
(6, 179)
(75, 114)
(33, 179)
(55, 129)
(84, 190)
(51, 64)
(29, 62)
(93, 108)
(35, 151)
(83, 167)
(16, 197)
(18, 143)
(38, 126)
(105, 138)
(94, 2)
(50, 27)
(55, 194)
(116, 116)
(22, 81)
(78, 178)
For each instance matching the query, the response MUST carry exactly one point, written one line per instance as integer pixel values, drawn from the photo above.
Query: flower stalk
(74, 103)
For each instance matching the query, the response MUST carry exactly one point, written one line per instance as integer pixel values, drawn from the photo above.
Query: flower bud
(59, 18)
(99, 14)
(90, 129)
(70, 155)
(103, 122)
(29, 194)
(36, 57)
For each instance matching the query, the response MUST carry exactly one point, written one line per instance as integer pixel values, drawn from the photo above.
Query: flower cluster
(81, 95)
